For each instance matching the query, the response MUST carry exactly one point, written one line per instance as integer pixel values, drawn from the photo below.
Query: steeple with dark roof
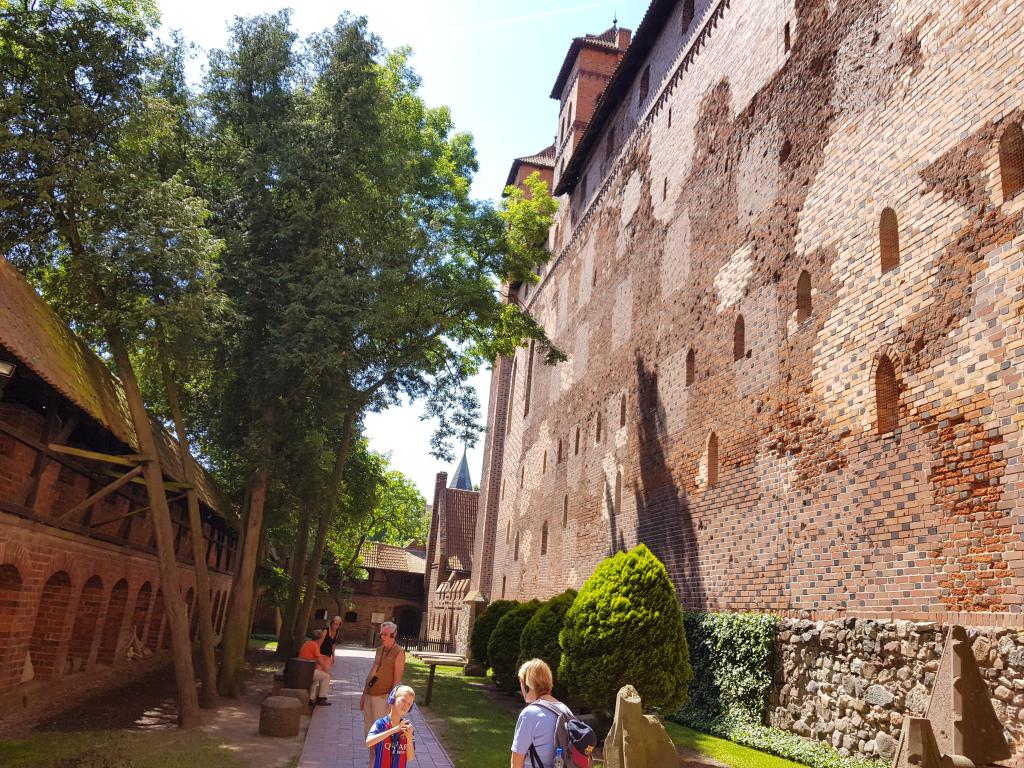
(462, 481)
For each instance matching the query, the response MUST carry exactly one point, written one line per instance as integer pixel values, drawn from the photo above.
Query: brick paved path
(335, 737)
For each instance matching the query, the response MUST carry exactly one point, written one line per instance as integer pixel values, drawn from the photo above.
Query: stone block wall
(851, 682)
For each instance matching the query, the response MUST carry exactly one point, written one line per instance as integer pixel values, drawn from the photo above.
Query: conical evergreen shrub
(540, 635)
(503, 647)
(625, 626)
(485, 624)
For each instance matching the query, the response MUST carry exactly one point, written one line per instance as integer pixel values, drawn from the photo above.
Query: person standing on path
(310, 651)
(330, 637)
(390, 739)
(385, 674)
(535, 728)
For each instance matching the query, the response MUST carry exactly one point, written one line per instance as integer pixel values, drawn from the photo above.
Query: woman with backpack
(546, 730)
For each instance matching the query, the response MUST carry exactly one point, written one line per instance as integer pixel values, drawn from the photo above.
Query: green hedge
(625, 626)
(540, 635)
(503, 647)
(485, 624)
(733, 661)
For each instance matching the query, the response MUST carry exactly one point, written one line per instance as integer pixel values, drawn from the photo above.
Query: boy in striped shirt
(391, 737)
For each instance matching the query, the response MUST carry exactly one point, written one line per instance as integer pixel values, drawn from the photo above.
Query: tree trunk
(326, 515)
(160, 514)
(286, 639)
(207, 662)
(235, 639)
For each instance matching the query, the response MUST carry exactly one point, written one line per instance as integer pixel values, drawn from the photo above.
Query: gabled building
(450, 558)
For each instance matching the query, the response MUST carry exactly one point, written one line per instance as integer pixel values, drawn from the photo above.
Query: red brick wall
(71, 601)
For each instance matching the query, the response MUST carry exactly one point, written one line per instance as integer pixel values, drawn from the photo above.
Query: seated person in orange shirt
(310, 650)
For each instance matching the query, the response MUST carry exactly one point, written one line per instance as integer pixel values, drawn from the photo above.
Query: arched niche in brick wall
(141, 612)
(544, 539)
(11, 596)
(87, 618)
(156, 621)
(515, 555)
(889, 240)
(1011, 160)
(116, 607)
(803, 296)
(739, 339)
(49, 633)
(691, 366)
(886, 396)
(711, 460)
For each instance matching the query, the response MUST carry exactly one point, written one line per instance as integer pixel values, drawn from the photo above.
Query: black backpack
(576, 738)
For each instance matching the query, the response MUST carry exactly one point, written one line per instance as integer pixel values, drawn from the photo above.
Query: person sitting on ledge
(310, 651)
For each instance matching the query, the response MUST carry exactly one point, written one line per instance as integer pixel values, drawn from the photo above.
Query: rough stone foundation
(851, 682)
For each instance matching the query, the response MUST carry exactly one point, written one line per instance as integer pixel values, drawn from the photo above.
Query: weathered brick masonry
(791, 288)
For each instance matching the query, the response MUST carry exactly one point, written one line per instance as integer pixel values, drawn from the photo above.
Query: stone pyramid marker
(917, 747)
(960, 709)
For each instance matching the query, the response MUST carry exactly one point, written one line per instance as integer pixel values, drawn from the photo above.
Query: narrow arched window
(565, 510)
(544, 464)
(645, 83)
(576, 449)
(886, 396)
(559, 460)
(712, 460)
(544, 539)
(739, 341)
(597, 433)
(622, 411)
(515, 554)
(691, 367)
(511, 394)
(1011, 160)
(889, 240)
(803, 296)
(529, 381)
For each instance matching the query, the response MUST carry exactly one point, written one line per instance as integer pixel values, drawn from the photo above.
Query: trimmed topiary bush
(503, 647)
(540, 635)
(485, 624)
(625, 626)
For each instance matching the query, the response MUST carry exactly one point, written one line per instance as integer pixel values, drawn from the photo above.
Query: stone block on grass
(280, 716)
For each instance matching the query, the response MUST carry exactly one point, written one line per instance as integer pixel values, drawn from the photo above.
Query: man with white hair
(385, 674)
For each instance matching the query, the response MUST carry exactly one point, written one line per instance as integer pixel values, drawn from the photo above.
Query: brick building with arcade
(81, 599)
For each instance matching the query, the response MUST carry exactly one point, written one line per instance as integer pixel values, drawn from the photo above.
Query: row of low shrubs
(625, 625)
(712, 670)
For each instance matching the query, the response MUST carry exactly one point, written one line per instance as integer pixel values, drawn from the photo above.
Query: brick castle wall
(747, 190)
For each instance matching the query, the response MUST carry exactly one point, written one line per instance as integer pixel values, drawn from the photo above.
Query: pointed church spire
(462, 480)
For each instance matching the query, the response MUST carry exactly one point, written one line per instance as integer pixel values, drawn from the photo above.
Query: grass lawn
(477, 730)
(724, 751)
(169, 748)
(474, 729)
(263, 642)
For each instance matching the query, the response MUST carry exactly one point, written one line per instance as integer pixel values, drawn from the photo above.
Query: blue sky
(492, 63)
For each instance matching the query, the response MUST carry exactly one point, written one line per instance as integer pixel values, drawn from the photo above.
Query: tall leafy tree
(119, 249)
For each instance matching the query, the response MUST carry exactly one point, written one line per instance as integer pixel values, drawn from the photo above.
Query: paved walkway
(335, 737)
